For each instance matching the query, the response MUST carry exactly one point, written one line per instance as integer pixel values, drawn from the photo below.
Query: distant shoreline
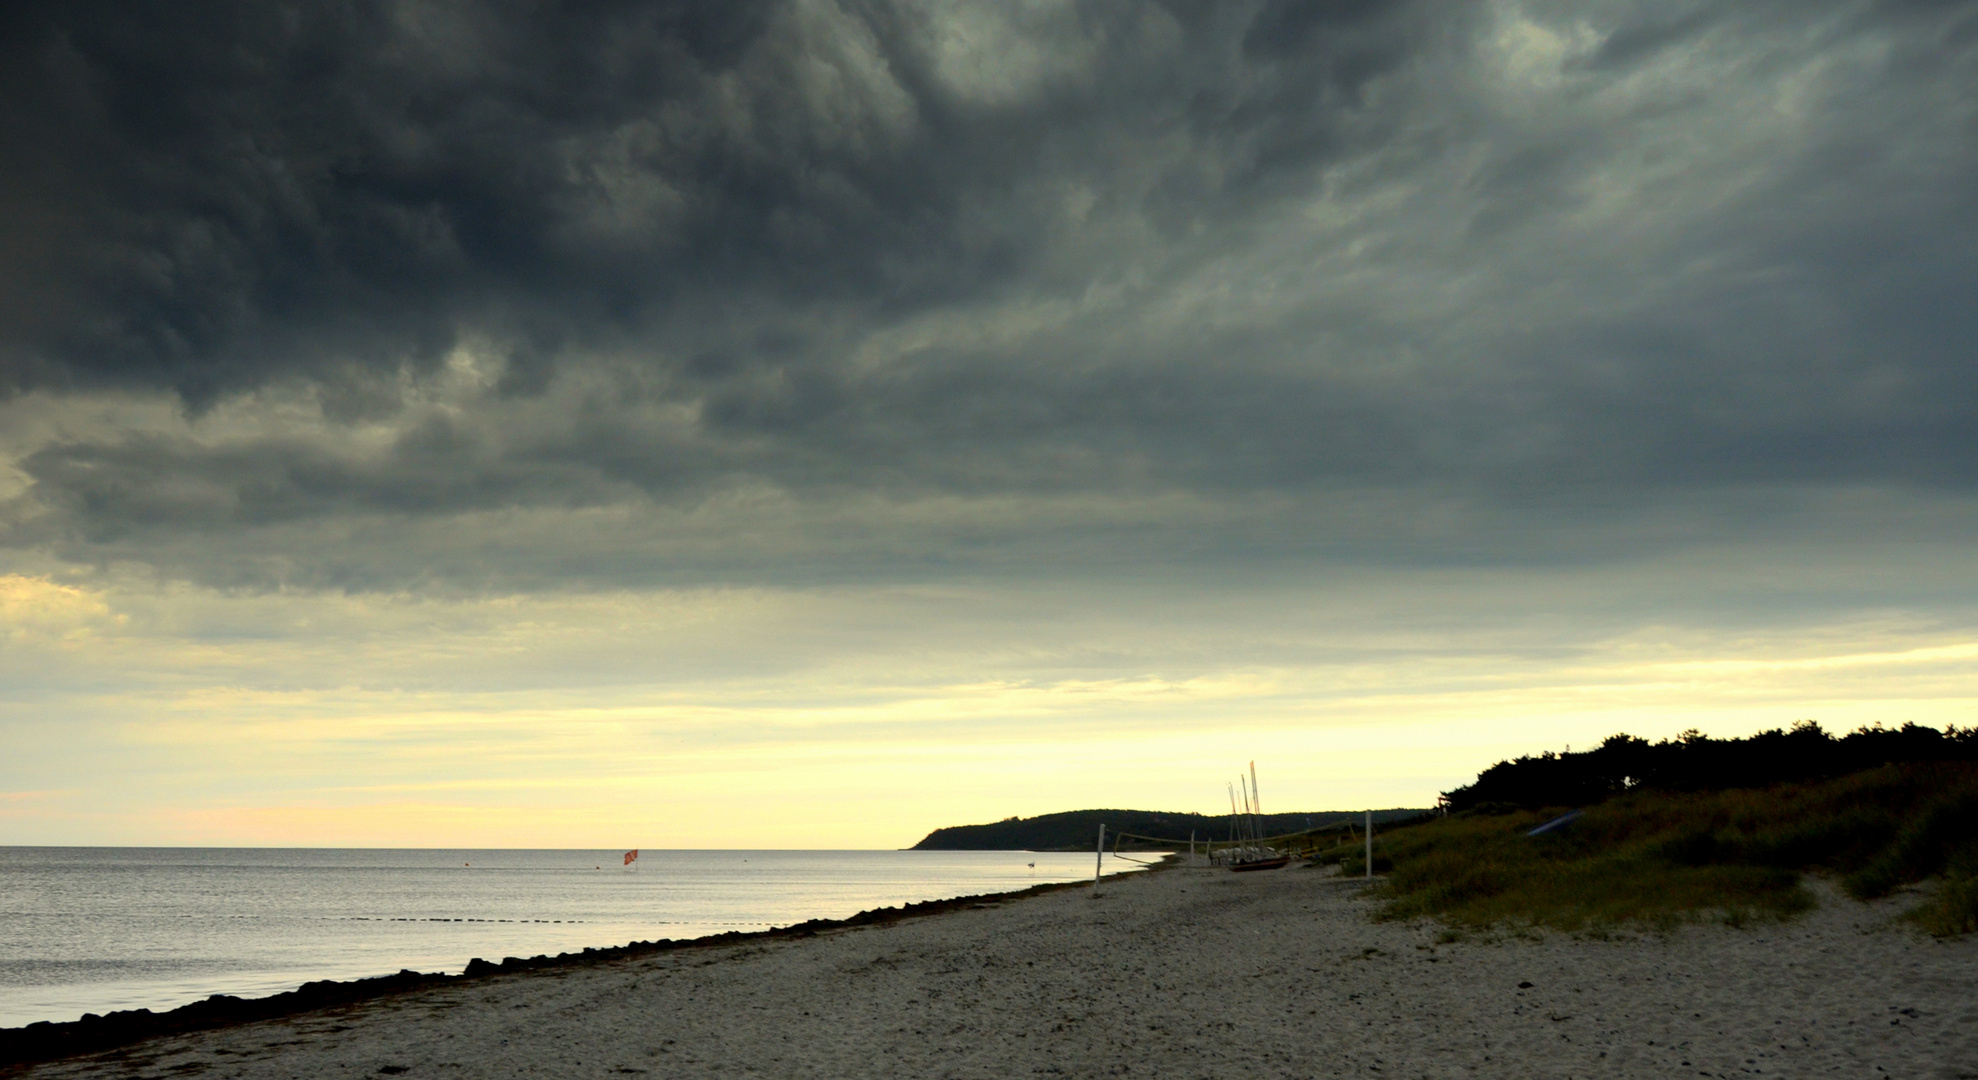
(1077, 830)
(45, 1040)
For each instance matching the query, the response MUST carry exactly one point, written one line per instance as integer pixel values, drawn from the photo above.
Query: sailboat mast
(1256, 802)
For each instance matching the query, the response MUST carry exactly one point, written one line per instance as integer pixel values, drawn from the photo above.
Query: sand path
(1176, 974)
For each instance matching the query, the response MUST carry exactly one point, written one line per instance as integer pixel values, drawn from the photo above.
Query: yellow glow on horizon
(853, 719)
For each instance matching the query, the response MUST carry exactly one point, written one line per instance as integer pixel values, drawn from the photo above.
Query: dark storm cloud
(250, 191)
(1589, 254)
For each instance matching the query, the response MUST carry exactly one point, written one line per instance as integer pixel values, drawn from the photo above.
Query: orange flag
(631, 856)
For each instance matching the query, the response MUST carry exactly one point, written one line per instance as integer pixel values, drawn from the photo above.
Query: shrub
(1657, 857)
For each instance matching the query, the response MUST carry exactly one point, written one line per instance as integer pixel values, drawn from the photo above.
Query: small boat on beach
(1248, 851)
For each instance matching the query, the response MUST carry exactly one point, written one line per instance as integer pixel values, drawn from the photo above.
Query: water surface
(100, 929)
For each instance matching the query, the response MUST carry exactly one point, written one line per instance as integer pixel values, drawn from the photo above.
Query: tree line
(1693, 761)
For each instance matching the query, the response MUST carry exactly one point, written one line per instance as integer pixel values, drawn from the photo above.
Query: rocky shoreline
(93, 1033)
(1181, 974)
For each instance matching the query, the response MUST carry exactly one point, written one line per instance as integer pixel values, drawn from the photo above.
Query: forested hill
(1078, 830)
(1695, 762)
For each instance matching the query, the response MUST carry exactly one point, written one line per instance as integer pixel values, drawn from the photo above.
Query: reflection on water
(99, 929)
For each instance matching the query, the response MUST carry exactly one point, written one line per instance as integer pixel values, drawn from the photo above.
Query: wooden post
(1370, 845)
(1099, 857)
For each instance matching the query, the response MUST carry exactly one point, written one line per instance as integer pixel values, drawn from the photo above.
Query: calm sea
(99, 929)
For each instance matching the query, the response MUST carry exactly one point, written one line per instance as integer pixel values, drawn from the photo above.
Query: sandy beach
(1181, 973)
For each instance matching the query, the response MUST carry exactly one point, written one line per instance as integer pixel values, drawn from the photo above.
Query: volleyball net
(1302, 844)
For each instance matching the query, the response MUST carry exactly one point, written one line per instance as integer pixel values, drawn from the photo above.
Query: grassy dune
(1657, 857)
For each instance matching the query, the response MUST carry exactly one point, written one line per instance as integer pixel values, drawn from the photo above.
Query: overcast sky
(813, 423)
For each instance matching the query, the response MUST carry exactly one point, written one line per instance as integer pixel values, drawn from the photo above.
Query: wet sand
(1181, 973)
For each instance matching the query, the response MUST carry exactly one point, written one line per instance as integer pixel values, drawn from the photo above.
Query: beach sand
(1180, 973)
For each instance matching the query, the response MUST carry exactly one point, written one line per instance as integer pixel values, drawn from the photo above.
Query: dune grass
(1657, 858)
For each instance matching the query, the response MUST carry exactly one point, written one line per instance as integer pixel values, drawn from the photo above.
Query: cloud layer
(562, 421)
(963, 282)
